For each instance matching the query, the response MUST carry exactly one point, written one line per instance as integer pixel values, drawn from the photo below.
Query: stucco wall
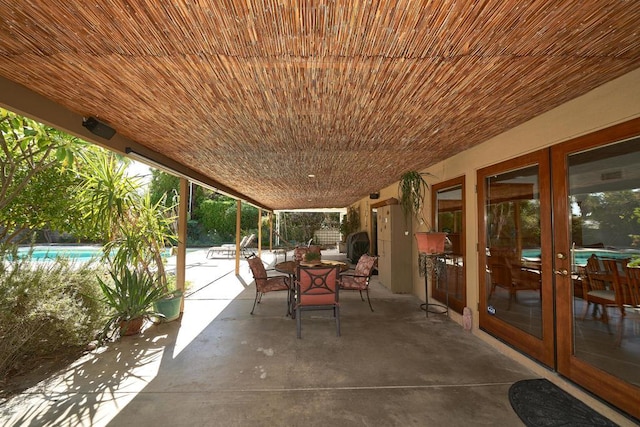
(612, 103)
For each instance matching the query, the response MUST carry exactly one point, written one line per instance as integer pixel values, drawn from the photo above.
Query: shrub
(45, 307)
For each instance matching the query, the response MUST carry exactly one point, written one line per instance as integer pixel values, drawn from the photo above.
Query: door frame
(541, 349)
(436, 292)
(605, 385)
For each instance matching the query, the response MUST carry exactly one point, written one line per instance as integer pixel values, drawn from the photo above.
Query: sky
(140, 169)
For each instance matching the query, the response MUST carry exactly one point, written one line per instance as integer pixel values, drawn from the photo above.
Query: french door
(516, 282)
(542, 216)
(597, 211)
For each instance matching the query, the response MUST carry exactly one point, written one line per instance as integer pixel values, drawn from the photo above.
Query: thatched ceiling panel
(258, 94)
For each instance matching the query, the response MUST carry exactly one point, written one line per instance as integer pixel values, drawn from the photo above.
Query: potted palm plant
(412, 190)
(141, 242)
(136, 229)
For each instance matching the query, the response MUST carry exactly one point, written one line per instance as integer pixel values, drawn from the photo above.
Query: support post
(181, 257)
(238, 229)
(270, 231)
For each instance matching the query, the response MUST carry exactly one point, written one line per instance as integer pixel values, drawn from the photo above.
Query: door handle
(562, 272)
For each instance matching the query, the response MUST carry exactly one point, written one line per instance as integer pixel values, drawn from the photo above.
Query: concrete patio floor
(220, 366)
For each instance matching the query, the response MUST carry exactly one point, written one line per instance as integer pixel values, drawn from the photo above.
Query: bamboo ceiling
(256, 95)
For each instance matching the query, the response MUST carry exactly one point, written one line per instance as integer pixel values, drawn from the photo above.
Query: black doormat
(539, 402)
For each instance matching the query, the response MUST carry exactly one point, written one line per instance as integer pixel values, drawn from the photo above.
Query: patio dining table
(291, 267)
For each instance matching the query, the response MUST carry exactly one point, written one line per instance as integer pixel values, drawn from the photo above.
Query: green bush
(45, 307)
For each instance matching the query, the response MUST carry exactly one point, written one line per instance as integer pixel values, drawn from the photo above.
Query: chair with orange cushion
(359, 279)
(317, 289)
(266, 283)
(299, 252)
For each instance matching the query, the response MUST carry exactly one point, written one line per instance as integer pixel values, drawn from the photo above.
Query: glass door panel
(448, 202)
(516, 291)
(513, 256)
(604, 196)
(598, 229)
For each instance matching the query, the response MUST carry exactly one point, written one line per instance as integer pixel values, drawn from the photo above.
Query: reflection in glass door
(598, 315)
(514, 249)
(583, 320)
(448, 201)
(605, 224)
(516, 291)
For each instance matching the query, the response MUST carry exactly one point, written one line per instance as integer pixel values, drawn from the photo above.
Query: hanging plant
(412, 190)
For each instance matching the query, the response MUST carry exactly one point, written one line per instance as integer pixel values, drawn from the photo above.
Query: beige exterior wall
(612, 103)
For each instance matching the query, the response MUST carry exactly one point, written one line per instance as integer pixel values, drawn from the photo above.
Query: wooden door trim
(542, 349)
(454, 304)
(601, 383)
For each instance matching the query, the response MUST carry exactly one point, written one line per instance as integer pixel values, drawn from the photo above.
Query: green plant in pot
(312, 257)
(136, 229)
(412, 190)
(169, 305)
(141, 242)
(130, 296)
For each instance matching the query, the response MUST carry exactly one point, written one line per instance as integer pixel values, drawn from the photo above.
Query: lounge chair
(227, 249)
(249, 241)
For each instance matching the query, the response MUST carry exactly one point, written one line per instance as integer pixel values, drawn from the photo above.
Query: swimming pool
(44, 253)
(581, 255)
(74, 252)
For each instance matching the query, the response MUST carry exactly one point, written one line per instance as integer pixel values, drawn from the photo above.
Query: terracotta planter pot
(131, 327)
(431, 243)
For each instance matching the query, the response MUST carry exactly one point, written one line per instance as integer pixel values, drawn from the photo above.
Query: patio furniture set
(315, 286)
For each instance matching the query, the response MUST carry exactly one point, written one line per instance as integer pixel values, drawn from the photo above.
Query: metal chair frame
(317, 289)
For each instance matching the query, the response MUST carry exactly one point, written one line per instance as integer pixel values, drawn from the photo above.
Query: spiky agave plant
(130, 297)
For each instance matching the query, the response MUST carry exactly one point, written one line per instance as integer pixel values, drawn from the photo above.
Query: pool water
(582, 255)
(80, 253)
(77, 253)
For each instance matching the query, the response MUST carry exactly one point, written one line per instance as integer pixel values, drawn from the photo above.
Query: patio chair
(299, 252)
(508, 273)
(317, 289)
(629, 296)
(598, 289)
(614, 286)
(359, 279)
(249, 241)
(266, 283)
